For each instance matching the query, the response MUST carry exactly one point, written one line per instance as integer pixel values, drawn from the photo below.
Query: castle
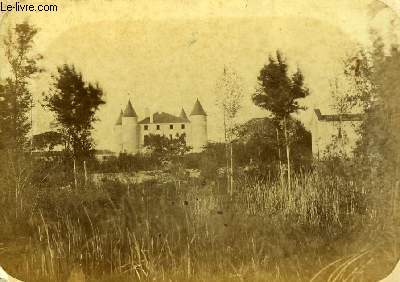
(130, 132)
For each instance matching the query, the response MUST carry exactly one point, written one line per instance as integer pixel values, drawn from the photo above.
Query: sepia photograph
(199, 141)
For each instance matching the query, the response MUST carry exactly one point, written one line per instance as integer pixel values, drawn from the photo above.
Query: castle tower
(130, 136)
(118, 133)
(198, 120)
(183, 115)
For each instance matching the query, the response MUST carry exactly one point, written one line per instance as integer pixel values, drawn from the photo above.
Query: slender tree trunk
(279, 157)
(16, 193)
(85, 171)
(231, 173)
(18, 150)
(287, 153)
(226, 155)
(31, 117)
(75, 179)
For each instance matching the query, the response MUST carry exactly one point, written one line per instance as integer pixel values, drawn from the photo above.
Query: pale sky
(167, 53)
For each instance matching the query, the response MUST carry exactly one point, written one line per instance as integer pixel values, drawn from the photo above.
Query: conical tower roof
(129, 111)
(119, 120)
(198, 109)
(183, 115)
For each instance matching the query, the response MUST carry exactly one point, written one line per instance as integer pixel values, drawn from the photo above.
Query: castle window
(146, 127)
(158, 127)
(182, 126)
(170, 136)
(171, 126)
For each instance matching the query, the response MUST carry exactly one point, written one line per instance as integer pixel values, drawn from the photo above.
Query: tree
(380, 128)
(47, 140)
(278, 92)
(74, 103)
(374, 74)
(229, 97)
(15, 106)
(166, 149)
(261, 148)
(16, 99)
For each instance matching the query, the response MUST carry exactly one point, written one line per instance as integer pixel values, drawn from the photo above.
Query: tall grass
(193, 231)
(313, 199)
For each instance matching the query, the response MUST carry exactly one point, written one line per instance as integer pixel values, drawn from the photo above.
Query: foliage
(16, 98)
(47, 140)
(153, 231)
(261, 145)
(212, 159)
(341, 90)
(377, 93)
(126, 163)
(229, 95)
(374, 90)
(278, 92)
(15, 106)
(380, 129)
(166, 148)
(74, 103)
(158, 151)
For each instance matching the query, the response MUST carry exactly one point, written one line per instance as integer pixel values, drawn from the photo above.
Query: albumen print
(210, 140)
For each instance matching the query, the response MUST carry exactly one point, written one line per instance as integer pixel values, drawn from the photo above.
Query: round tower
(198, 134)
(118, 134)
(130, 136)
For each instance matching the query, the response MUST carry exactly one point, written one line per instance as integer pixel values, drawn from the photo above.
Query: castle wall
(164, 130)
(130, 135)
(118, 138)
(198, 137)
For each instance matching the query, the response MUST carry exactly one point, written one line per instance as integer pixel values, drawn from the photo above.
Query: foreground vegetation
(193, 230)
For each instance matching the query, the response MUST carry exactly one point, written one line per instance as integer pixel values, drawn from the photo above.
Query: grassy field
(324, 228)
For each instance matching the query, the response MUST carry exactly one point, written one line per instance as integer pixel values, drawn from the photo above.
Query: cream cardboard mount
(5, 277)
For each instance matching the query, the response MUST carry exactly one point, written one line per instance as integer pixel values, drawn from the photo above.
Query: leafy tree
(279, 92)
(156, 144)
(169, 152)
(47, 140)
(15, 106)
(261, 148)
(229, 97)
(74, 103)
(379, 131)
(211, 160)
(259, 136)
(166, 148)
(375, 74)
(16, 98)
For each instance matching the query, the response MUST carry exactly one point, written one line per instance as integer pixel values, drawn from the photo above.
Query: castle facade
(130, 132)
